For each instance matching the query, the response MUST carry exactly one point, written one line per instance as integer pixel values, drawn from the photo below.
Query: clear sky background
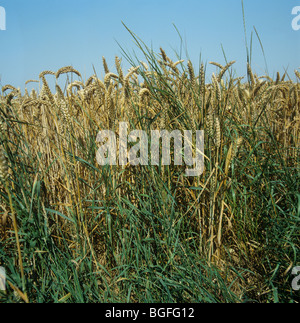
(49, 34)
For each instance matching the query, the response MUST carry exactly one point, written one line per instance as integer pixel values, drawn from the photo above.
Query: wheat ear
(106, 69)
(67, 69)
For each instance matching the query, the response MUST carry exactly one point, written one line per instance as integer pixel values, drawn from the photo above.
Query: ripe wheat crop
(149, 233)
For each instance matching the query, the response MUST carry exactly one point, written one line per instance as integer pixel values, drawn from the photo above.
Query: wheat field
(74, 231)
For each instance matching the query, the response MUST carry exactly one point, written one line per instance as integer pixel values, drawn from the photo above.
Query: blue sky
(46, 35)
